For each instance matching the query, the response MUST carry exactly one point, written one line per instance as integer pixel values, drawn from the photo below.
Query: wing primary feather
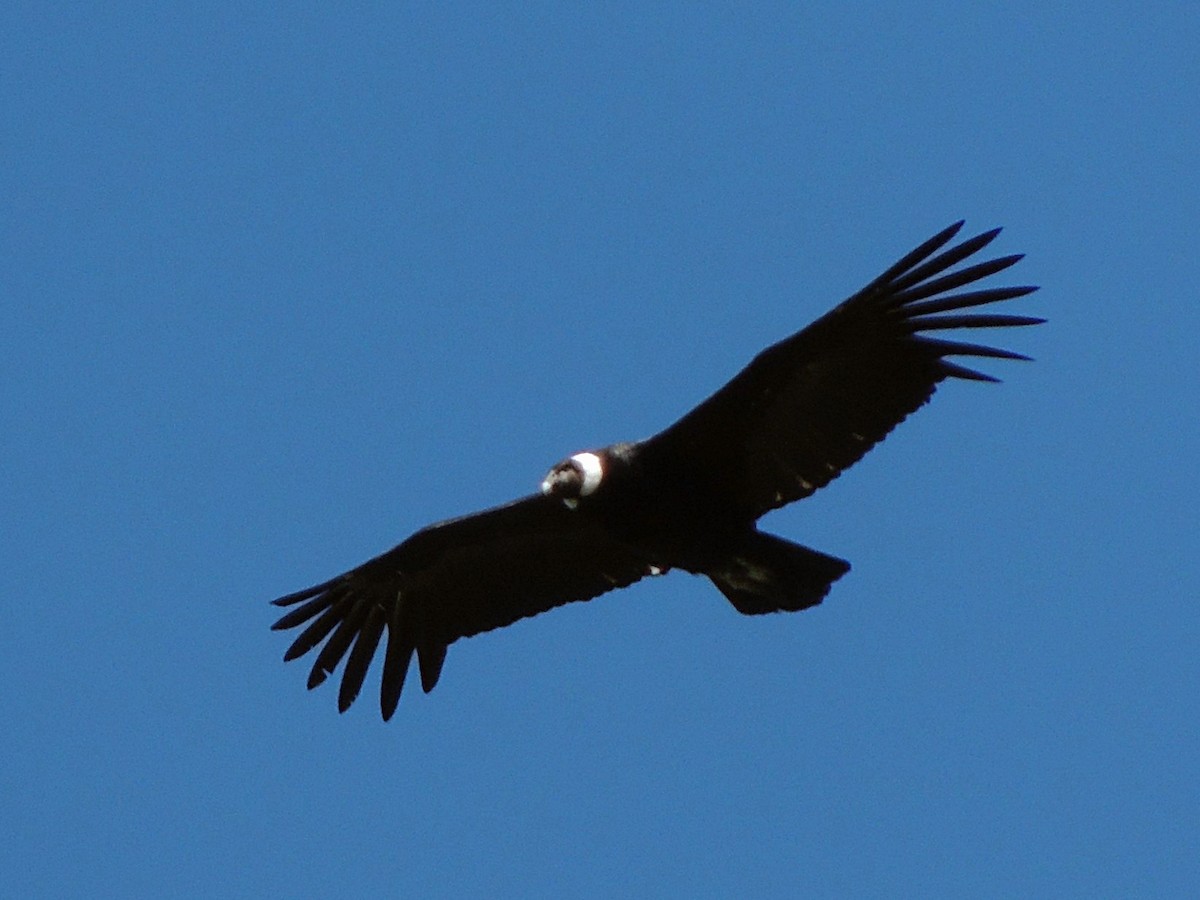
(430, 660)
(395, 662)
(942, 261)
(303, 613)
(936, 323)
(959, 348)
(292, 599)
(319, 629)
(915, 256)
(953, 280)
(337, 645)
(952, 370)
(964, 300)
(360, 657)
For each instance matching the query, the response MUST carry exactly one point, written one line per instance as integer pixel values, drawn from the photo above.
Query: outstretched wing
(812, 405)
(451, 580)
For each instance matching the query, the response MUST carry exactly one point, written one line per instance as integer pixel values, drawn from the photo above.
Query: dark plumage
(804, 410)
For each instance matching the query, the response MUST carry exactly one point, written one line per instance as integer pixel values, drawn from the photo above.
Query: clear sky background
(282, 283)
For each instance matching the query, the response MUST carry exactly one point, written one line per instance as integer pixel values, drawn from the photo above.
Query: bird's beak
(562, 481)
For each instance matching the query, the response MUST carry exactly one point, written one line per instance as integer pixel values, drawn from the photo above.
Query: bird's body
(688, 498)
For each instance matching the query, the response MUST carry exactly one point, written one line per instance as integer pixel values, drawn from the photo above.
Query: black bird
(804, 410)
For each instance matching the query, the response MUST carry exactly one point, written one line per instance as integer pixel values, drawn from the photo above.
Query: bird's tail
(769, 574)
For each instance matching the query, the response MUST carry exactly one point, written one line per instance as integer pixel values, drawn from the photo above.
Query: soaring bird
(804, 410)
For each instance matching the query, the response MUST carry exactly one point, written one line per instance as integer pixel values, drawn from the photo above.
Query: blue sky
(283, 284)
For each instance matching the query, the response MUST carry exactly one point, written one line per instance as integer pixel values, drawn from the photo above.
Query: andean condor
(688, 498)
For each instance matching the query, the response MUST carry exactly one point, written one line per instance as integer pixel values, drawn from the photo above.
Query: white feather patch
(593, 472)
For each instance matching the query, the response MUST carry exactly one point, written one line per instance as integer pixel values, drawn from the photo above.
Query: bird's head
(575, 477)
